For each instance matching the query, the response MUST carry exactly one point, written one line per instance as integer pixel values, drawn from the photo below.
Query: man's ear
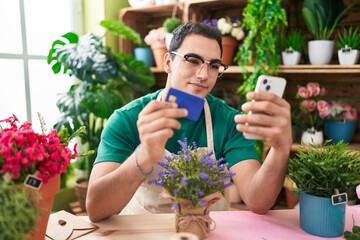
(167, 62)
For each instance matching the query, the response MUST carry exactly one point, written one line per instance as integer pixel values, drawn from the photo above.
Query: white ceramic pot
(291, 58)
(141, 3)
(312, 136)
(320, 51)
(168, 38)
(350, 57)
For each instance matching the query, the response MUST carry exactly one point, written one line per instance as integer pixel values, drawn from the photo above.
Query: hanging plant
(264, 20)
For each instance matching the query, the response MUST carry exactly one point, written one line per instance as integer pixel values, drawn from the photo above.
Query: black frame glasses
(213, 64)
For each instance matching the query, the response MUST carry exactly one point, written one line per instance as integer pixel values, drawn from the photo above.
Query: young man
(140, 133)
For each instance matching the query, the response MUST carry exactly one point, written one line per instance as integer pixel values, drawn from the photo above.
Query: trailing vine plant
(264, 20)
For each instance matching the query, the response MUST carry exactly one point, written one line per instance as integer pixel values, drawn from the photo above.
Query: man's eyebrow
(211, 60)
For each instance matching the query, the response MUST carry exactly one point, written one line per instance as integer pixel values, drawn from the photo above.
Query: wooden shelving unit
(342, 82)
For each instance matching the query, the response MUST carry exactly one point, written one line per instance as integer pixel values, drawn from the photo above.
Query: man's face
(197, 79)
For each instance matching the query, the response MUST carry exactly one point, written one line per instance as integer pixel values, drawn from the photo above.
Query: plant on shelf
(340, 120)
(321, 18)
(294, 45)
(309, 111)
(104, 81)
(169, 25)
(348, 43)
(260, 49)
(232, 31)
(324, 174)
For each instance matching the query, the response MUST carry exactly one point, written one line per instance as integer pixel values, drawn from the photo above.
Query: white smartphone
(271, 84)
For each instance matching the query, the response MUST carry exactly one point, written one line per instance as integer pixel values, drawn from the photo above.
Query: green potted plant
(324, 175)
(18, 211)
(170, 24)
(348, 43)
(261, 46)
(105, 81)
(294, 45)
(321, 18)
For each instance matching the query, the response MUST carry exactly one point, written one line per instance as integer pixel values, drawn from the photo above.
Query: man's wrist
(137, 165)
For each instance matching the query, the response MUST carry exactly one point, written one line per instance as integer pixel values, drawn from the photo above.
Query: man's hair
(194, 28)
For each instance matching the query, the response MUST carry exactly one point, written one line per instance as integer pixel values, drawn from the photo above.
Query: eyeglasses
(196, 62)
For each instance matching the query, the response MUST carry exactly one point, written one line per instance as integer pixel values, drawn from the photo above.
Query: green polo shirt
(120, 136)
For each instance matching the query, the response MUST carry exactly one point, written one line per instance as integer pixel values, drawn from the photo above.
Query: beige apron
(148, 197)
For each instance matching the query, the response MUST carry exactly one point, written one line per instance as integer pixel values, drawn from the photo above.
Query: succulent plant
(171, 23)
(348, 38)
(295, 41)
(17, 210)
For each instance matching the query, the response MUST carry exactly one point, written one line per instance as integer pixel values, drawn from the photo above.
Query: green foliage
(18, 211)
(348, 38)
(295, 40)
(322, 16)
(264, 20)
(171, 23)
(354, 234)
(107, 81)
(122, 30)
(320, 169)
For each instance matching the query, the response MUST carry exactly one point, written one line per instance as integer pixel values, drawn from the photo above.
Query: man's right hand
(156, 124)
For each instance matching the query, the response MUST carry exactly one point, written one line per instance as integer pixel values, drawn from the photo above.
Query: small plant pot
(168, 38)
(319, 217)
(291, 58)
(320, 51)
(311, 136)
(340, 130)
(348, 57)
(145, 55)
(159, 50)
(81, 187)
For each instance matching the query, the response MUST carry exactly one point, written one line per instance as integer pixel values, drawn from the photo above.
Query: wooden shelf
(296, 69)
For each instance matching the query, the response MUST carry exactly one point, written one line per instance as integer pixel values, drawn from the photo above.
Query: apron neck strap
(208, 123)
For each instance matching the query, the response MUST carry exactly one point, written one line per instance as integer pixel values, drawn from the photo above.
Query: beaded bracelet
(138, 166)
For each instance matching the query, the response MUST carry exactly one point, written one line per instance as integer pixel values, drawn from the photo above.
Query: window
(27, 29)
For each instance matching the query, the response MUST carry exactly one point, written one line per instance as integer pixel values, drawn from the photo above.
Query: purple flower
(204, 176)
(183, 181)
(358, 191)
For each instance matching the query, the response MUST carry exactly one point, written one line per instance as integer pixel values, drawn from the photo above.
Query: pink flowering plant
(338, 111)
(191, 174)
(155, 36)
(310, 106)
(24, 152)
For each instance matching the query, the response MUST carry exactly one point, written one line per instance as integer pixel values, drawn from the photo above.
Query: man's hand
(156, 124)
(274, 122)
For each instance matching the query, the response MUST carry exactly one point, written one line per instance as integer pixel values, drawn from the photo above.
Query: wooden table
(276, 225)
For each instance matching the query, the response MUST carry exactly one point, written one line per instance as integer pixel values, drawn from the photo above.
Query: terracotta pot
(81, 187)
(45, 203)
(229, 45)
(159, 50)
(195, 220)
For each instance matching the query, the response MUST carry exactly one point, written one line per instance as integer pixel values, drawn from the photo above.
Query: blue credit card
(192, 103)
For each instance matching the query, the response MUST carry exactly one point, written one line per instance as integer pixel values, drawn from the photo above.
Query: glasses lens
(216, 69)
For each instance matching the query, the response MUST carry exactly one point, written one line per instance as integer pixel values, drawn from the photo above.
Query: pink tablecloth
(230, 225)
(277, 224)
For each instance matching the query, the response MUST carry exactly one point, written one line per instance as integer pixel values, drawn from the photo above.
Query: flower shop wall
(342, 82)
